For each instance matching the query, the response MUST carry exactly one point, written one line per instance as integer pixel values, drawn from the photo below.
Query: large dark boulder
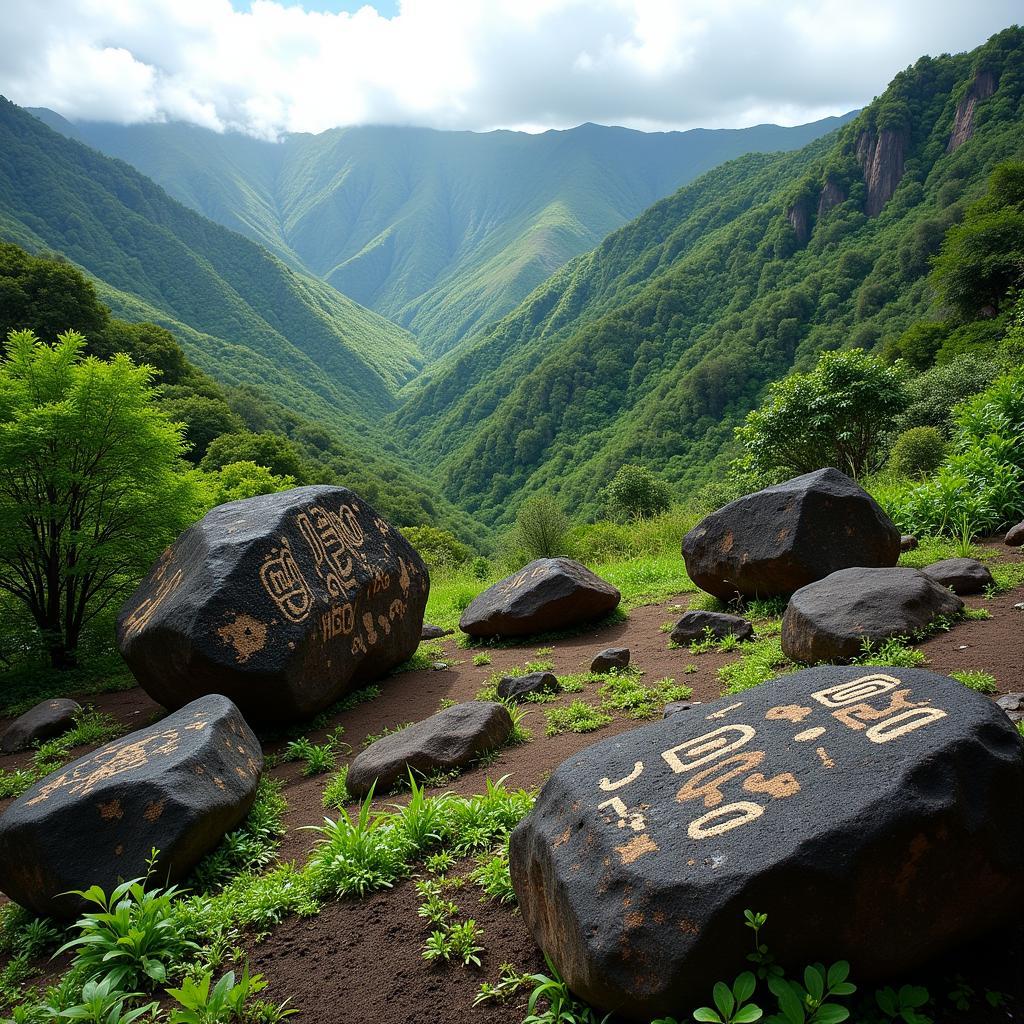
(831, 619)
(610, 659)
(45, 721)
(696, 625)
(1014, 536)
(961, 575)
(777, 540)
(282, 602)
(548, 594)
(873, 814)
(441, 743)
(178, 786)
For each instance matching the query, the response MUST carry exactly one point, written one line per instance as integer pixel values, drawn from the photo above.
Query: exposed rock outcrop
(799, 217)
(882, 156)
(832, 195)
(981, 88)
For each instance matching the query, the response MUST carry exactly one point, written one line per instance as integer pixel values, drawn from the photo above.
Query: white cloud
(475, 64)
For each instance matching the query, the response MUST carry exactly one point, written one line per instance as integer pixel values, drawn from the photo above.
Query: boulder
(44, 722)
(283, 602)
(1013, 705)
(1015, 536)
(696, 624)
(961, 575)
(548, 594)
(445, 741)
(872, 813)
(178, 786)
(610, 658)
(676, 706)
(775, 541)
(829, 620)
(429, 632)
(519, 688)
(908, 542)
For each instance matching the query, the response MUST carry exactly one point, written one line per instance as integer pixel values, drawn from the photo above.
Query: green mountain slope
(652, 347)
(441, 232)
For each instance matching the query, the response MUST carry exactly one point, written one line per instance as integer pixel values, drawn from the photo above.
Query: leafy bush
(541, 528)
(437, 547)
(918, 451)
(636, 493)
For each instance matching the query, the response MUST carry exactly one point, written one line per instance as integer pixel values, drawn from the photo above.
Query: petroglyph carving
(609, 787)
(709, 747)
(284, 583)
(165, 586)
(856, 690)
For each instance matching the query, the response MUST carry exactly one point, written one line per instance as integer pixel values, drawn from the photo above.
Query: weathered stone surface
(1015, 536)
(518, 688)
(45, 721)
(1013, 705)
(548, 594)
(282, 602)
(610, 658)
(178, 786)
(908, 542)
(873, 814)
(675, 707)
(829, 620)
(440, 743)
(429, 632)
(777, 540)
(961, 575)
(694, 626)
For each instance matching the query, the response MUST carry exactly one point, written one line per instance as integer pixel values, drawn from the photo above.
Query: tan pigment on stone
(248, 636)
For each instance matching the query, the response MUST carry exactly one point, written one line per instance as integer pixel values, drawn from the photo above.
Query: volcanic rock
(178, 786)
(610, 658)
(831, 619)
(429, 632)
(1013, 705)
(519, 688)
(45, 721)
(696, 624)
(873, 814)
(283, 602)
(548, 594)
(775, 541)
(1014, 536)
(908, 542)
(961, 575)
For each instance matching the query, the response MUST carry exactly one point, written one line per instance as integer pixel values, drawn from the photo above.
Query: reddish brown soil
(360, 960)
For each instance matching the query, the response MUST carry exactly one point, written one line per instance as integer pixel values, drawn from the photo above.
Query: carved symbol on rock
(165, 586)
(284, 583)
(708, 747)
(634, 819)
(856, 690)
(609, 787)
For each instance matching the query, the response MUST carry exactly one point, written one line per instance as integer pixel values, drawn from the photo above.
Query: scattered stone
(45, 721)
(518, 688)
(1015, 536)
(1019, 606)
(439, 666)
(441, 743)
(283, 602)
(1013, 705)
(695, 625)
(961, 575)
(908, 542)
(831, 619)
(549, 594)
(429, 632)
(177, 786)
(777, 540)
(840, 800)
(676, 706)
(609, 658)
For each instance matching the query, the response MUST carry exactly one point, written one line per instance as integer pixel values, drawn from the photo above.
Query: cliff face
(981, 88)
(831, 196)
(799, 217)
(881, 157)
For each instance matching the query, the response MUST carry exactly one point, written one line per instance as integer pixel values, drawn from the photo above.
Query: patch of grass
(627, 692)
(424, 657)
(336, 793)
(894, 652)
(760, 660)
(316, 758)
(977, 679)
(977, 614)
(481, 659)
(579, 716)
(491, 874)
(389, 730)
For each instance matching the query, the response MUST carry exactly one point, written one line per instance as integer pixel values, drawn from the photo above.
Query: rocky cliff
(881, 156)
(981, 88)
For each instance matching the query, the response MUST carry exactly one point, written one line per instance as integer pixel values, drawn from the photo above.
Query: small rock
(518, 688)
(440, 743)
(1015, 536)
(430, 632)
(674, 707)
(548, 594)
(961, 575)
(439, 666)
(831, 619)
(694, 626)
(179, 786)
(908, 542)
(609, 658)
(1013, 705)
(1019, 606)
(45, 721)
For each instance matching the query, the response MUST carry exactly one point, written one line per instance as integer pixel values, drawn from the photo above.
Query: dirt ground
(360, 960)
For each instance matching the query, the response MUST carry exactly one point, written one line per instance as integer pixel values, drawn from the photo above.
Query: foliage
(561, 1007)
(917, 451)
(760, 659)
(626, 692)
(455, 942)
(238, 480)
(198, 1004)
(977, 679)
(540, 530)
(104, 1001)
(579, 716)
(636, 493)
(437, 547)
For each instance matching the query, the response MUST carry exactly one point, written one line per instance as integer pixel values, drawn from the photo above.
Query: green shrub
(540, 530)
(636, 493)
(918, 451)
(437, 547)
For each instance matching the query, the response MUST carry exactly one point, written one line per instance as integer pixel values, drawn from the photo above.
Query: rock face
(518, 688)
(981, 88)
(882, 156)
(799, 217)
(695, 625)
(178, 786)
(1014, 536)
(961, 575)
(440, 743)
(829, 620)
(610, 658)
(282, 602)
(45, 721)
(549, 594)
(777, 540)
(873, 814)
(832, 195)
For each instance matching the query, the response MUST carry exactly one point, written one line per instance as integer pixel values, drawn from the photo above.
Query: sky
(266, 67)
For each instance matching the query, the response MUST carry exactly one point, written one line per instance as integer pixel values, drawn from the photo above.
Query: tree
(91, 483)
(636, 493)
(239, 480)
(277, 453)
(541, 528)
(438, 548)
(836, 415)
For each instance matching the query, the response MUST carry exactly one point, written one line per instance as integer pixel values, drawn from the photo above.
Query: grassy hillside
(441, 232)
(652, 348)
